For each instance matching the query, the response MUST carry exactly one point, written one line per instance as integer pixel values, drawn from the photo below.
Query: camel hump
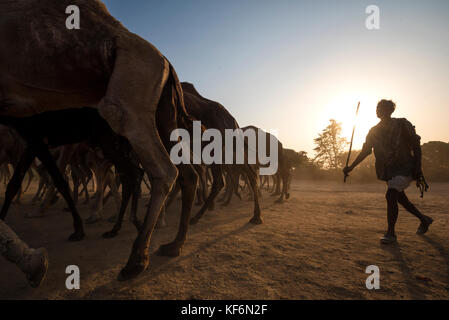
(254, 128)
(190, 88)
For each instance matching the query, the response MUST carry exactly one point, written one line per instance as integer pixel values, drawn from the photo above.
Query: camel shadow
(414, 290)
(160, 265)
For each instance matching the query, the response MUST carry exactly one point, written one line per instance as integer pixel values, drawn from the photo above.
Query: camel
(53, 129)
(213, 115)
(284, 170)
(5, 173)
(45, 185)
(80, 171)
(45, 67)
(12, 147)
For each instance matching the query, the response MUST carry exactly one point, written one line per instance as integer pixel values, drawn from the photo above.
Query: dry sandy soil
(316, 245)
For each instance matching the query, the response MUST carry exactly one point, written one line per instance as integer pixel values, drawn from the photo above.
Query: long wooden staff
(352, 139)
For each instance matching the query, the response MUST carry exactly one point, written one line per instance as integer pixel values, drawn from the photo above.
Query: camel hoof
(93, 219)
(110, 234)
(256, 220)
(133, 270)
(77, 236)
(39, 262)
(279, 200)
(169, 250)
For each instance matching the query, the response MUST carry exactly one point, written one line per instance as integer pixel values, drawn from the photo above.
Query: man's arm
(366, 151)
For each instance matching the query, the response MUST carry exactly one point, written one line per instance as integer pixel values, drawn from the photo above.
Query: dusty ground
(315, 246)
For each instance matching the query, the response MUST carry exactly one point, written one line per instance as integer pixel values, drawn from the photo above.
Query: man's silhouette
(397, 149)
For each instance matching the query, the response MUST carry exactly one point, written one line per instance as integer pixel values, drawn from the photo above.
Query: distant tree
(330, 145)
(296, 158)
(436, 160)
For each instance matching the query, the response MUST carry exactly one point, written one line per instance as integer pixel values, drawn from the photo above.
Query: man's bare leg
(410, 207)
(392, 216)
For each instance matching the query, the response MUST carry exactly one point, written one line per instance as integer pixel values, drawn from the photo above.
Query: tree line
(331, 152)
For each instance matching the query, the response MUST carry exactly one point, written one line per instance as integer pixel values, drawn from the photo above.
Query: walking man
(397, 149)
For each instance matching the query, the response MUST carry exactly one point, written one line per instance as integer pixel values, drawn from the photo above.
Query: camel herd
(96, 107)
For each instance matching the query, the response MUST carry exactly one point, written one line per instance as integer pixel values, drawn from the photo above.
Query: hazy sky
(291, 65)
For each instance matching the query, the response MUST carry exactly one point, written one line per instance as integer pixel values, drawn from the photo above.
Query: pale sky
(291, 65)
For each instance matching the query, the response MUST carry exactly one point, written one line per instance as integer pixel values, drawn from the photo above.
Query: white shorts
(400, 183)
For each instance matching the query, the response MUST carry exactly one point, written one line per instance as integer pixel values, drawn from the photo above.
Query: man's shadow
(436, 243)
(410, 281)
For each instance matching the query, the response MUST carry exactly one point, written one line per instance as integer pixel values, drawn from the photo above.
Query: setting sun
(343, 109)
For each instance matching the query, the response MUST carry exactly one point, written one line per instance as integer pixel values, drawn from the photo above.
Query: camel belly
(45, 65)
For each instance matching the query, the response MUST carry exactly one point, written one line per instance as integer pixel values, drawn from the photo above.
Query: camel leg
(76, 183)
(146, 182)
(253, 182)
(45, 187)
(188, 182)
(126, 195)
(131, 177)
(201, 190)
(203, 181)
(40, 188)
(141, 83)
(61, 184)
(41, 184)
(114, 193)
(230, 192)
(135, 202)
(161, 222)
(284, 193)
(217, 185)
(228, 187)
(162, 173)
(101, 173)
(16, 181)
(237, 186)
(87, 176)
(30, 178)
(277, 185)
(18, 199)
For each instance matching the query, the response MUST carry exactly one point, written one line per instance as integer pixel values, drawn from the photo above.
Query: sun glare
(343, 109)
